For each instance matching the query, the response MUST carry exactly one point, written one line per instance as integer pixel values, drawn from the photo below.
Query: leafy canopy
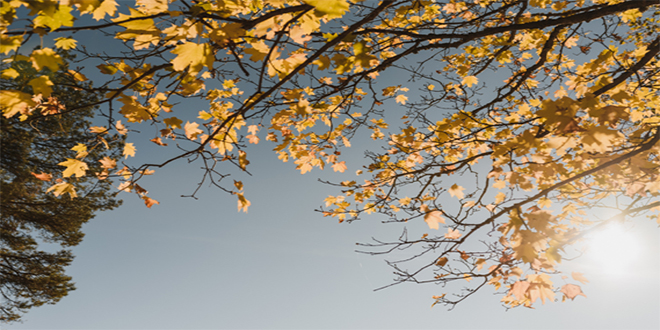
(544, 109)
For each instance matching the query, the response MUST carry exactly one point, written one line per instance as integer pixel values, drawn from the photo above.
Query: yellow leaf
(500, 197)
(599, 139)
(108, 163)
(13, 102)
(129, 150)
(10, 73)
(332, 8)
(46, 58)
(65, 43)
(74, 167)
(401, 99)
(41, 85)
(456, 191)
(242, 159)
(77, 75)
(107, 7)
(54, 17)
(192, 131)
(8, 44)
(62, 188)
(469, 81)
(173, 122)
(544, 202)
(192, 55)
(243, 203)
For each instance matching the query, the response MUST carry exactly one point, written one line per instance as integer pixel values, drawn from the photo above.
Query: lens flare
(614, 249)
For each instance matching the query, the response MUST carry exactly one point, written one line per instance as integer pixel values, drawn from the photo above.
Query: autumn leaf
(433, 219)
(519, 289)
(192, 130)
(469, 81)
(401, 99)
(46, 58)
(571, 291)
(129, 150)
(339, 167)
(195, 56)
(149, 202)
(242, 159)
(63, 188)
(108, 163)
(441, 261)
(332, 8)
(65, 43)
(14, 102)
(74, 167)
(579, 277)
(456, 191)
(243, 203)
(42, 176)
(452, 234)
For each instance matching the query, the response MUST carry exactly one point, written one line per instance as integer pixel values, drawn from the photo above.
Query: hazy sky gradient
(198, 264)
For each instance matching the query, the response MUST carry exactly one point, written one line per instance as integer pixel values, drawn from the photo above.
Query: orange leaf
(149, 202)
(43, 176)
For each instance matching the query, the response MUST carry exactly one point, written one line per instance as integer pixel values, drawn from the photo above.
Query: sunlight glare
(613, 249)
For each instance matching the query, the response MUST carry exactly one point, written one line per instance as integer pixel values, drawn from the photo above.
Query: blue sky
(198, 264)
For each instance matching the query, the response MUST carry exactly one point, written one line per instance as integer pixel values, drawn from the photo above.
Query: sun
(613, 248)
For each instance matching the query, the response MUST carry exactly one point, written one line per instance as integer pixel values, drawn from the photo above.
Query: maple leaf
(149, 202)
(469, 81)
(579, 277)
(600, 139)
(108, 163)
(46, 58)
(441, 261)
(253, 139)
(452, 234)
(519, 289)
(65, 43)
(192, 131)
(13, 102)
(173, 122)
(433, 218)
(74, 167)
(456, 191)
(129, 150)
(401, 99)
(571, 291)
(63, 188)
(332, 8)
(339, 167)
(192, 55)
(42, 176)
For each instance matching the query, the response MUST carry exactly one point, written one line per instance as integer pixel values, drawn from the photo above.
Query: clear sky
(199, 264)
